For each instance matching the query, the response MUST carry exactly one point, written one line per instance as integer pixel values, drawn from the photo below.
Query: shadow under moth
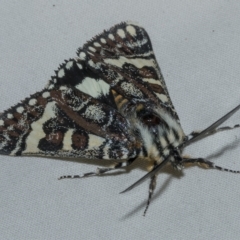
(110, 102)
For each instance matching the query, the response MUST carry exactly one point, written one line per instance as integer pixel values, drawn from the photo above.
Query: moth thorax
(159, 133)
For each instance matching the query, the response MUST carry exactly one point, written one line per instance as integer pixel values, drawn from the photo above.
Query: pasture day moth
(110, 102)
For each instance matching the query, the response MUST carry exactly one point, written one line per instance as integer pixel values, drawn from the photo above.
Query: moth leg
(208, 164)
(151, 189)
(100, 171)
(176, 161)
(226, 128)
(195, 133)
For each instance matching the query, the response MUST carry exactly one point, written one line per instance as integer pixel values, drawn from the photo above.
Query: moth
(110, 102)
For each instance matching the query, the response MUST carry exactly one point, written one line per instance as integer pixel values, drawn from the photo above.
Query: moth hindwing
(110, 102)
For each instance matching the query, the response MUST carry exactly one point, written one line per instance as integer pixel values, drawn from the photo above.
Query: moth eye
(151, 120)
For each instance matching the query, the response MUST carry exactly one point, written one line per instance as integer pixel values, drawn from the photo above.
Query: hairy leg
(209, 164)
(151, 189)
(100, 171)
(221, 129)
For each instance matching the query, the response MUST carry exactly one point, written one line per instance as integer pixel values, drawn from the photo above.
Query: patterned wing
(65, 122)
(122, 63)
(81, 111)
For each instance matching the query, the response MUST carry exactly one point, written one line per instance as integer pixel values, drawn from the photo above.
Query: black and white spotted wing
(118, 64)
(67, 123)
(90, 106)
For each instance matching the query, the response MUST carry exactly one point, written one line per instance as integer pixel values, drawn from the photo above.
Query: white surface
(197, 46)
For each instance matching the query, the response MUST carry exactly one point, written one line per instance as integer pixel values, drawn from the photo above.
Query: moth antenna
(211, 128)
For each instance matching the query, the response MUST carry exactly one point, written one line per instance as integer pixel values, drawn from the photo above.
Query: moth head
(159, 131)
(150, 119)
(147, 116)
